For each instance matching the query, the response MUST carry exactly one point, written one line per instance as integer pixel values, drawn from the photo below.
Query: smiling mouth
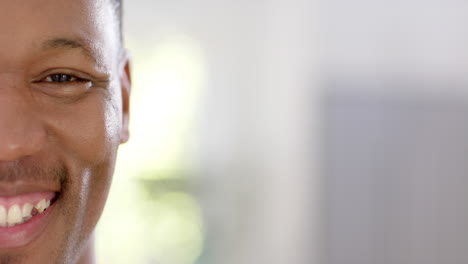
(25, 217)
(21, 209)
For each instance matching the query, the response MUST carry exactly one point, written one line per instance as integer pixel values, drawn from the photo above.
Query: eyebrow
(68, 43)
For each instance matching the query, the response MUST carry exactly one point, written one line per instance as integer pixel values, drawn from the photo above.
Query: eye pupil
(60, 78)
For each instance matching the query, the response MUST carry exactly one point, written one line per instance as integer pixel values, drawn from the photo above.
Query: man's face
(63, 112)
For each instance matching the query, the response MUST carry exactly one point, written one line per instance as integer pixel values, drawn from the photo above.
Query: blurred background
(298, 131)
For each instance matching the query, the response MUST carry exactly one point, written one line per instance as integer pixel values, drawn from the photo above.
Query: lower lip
(23, 234)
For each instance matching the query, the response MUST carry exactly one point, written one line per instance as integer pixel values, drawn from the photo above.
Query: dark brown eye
(61, 78)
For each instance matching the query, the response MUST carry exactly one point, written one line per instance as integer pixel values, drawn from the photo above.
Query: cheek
(88, 130)
(85, 135)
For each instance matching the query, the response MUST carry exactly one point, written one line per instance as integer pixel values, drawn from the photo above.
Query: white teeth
(14, 215)
(41, 206)
(26, 211)
(3, 216)
(17, 215)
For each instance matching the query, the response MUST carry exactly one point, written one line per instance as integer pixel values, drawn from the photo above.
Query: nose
(22, 134)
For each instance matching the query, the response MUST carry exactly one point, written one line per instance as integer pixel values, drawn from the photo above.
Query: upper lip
(8, 189)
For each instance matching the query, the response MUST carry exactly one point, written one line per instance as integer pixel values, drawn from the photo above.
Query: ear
(125, 82)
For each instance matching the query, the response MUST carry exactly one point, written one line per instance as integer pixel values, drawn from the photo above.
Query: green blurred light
(167, 84)
(176, 234)
(144, 225)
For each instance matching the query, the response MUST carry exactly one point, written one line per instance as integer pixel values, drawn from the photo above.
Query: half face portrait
(64, 102)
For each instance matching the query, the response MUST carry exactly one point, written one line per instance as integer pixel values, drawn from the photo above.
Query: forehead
(26, 25)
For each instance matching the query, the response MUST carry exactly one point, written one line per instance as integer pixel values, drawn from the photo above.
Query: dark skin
(64, 102)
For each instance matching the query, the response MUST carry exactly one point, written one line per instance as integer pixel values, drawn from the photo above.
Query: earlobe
(125, 82)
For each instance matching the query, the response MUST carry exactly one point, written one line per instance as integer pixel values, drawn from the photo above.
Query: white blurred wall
(260, 189)
(375, 89)
(395, 131)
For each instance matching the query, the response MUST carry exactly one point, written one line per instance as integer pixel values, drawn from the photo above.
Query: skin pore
(64, 102)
